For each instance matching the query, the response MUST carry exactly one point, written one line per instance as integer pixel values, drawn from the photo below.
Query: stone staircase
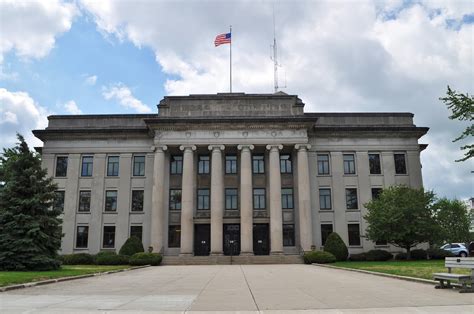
(234, 260)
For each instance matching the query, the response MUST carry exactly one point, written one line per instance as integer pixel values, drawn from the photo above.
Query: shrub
(131, 246)
(438, 254)
(418, 254)
(319, 257)
(378, 255)
(139, 259)
(110, 258)
(336, 247)
(358, 257)
(77, 259)
(401, 256)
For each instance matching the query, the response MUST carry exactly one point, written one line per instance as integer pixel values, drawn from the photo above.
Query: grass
(16, 277)
(418, 269)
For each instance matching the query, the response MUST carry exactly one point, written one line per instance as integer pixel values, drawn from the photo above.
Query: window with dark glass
(376, 192)
(351, 199)
(325, 199)
(113, 166)
(400, 164)
(288, 235)
(203, 165)
(258, 198)
(374, 164)
(174, 236)
(349, 164)
(231, 197)
(82, 237)
(258, 164)
(286, 198)
(139, 166)
(137, 200)
(84, 201)
(285, 163)
(230, 164)
(176, 165)
(203, 198)
(136, 231)
(61, 166)
(326, 230)
(59, 201)
(175, 199)
(323, 164)
(354, 234)
(110, 201)
(109, 237)
(86, 169)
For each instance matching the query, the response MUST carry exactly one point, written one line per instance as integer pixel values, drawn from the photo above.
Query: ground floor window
(82, 237)
(109, 237)
(326, 230)
(288, 235)
(174, 236)
(136, 231)
(354, 234)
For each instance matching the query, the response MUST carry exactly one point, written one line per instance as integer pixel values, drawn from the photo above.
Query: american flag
(222, 39)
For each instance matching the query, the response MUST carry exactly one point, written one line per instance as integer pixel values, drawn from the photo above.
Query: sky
(99, 57)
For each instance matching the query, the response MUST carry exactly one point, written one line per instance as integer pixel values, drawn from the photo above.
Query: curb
(49, 281)
(406, 278)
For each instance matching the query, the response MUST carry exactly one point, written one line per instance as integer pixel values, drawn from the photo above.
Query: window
(323, 164)
(86, 170)
(231, 197)
(113, 166)
(137, 200)
(376, 193)
(230, 164)
(400, 164)
(109, 237)
(84, 201)
(354, 234)
(286, 198)
(175, 199)
(203, 165)
(82, 237)
(176, 165)
(285, 163)
(258, 164)
(374, 164)
(351, 199)
(288, 235)
(325, 199)
(136, 231)
(61, 166)
(349, 164)
(139, 166)
(258, 198)
(59, 201)
(326, 230)
(203, 199)
(110, 201)
(174, 236)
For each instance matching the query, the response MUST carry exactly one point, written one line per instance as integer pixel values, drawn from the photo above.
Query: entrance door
(261, 241)
(231, 239)
(202, 240)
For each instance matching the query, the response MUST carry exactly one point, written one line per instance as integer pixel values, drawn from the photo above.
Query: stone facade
(226, 174)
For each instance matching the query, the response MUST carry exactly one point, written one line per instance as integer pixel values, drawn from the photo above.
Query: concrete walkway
(252, 288)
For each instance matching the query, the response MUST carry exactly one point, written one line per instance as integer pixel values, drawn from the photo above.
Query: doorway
(202, 239)
(231, 239)
(261, 239)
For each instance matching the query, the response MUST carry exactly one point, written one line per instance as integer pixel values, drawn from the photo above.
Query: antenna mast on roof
(274, 58)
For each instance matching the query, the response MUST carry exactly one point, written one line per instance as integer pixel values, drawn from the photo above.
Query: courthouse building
(226, 174)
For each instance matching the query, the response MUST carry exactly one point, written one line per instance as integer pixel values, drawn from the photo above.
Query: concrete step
(227, 260)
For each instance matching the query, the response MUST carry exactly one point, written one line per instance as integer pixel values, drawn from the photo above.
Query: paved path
(253, 288)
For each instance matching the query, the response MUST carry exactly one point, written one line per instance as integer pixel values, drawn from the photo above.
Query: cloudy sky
(85, 56)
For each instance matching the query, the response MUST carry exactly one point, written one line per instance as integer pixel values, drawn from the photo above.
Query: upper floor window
(231, 197)
(374, 164)
(59, 201)
(175, 199)
(325, 199)
(286, 198)
(351, 199)
(203, 198)
(230, 164)
(259, 199)
(176, 165)
(323, 164)
(113, 166)
(87, 162)
(349, 164)
(258, 164)
(137, 200)
(61, 166)
(203, 165)
(110, 201)
(84, 201)
(285, 163)
(139, 166)
(400, 164)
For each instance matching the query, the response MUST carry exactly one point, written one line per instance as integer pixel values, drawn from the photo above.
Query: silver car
(458, 249)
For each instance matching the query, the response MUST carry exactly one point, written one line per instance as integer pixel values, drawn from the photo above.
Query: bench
(466, 282)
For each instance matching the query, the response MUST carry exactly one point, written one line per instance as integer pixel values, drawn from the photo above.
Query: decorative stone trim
(274, 146)
(302, 146)
(188, 147)
(216, 147)
(245, 146)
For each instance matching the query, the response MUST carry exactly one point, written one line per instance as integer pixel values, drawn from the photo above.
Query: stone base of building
(232, 260)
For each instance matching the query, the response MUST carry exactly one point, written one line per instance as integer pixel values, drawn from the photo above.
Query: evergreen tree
(30, 229)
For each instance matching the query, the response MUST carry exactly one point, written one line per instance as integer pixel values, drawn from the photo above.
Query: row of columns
(217, 199)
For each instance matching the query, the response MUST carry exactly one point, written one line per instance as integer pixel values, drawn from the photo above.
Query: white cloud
(124, 96)
(29, 28)
(72, 108)
(90, 80)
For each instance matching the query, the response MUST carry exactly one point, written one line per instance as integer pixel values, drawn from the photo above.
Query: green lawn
(16, 277)
(419, 269)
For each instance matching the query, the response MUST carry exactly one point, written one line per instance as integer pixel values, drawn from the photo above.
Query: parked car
(458, 249)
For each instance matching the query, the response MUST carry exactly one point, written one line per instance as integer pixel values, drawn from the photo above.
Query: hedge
(110, 258)
(139, 259)
(336, 247)
(358, 257)
(131, 246)
(319, 257)
(438, 254)
(77, 259)
(378, 255)
(418, 254)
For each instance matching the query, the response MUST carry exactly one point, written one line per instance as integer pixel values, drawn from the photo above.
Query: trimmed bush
(77, 259)
(419, 254)
(319, 257)
(401, 256)
(358, 257)
(131, 246)
(438, 254)
(139, 259)
(110, 258)
(378, 255)
(336, 247)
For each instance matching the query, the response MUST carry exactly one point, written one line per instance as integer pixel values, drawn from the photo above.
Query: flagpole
(230, 72)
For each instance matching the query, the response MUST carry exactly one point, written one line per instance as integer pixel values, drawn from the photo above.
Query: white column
(157, 199)
(217, 200)
(276, 219)
(246, 195)
(304, 198)
(187, 200)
